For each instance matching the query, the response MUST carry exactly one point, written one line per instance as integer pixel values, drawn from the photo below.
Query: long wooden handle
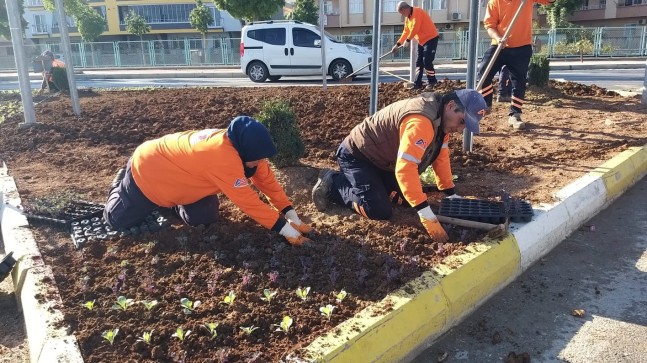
(500, 47)
(466, 223)
(368, 64)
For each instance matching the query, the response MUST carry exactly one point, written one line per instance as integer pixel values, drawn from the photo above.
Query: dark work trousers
(517, 61)
(363, 187)
(425, 61)
(127, 206)
(505, 85)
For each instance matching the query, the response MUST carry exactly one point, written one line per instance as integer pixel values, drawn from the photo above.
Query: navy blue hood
(252, 141)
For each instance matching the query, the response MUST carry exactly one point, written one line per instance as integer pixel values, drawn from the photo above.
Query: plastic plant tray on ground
(74, 212)
(87, 230)
(486, 211)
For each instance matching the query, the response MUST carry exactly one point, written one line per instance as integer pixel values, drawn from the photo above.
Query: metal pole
(21, 65)
(324, 74)
(644, 95)
(67, 51)
(471, 62)
(377, 9)
(413, 52)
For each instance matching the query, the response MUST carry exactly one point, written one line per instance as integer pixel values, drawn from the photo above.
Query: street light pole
(471, 62)
(15, 27)
(377, 8)
(324, 74)
(67, 51)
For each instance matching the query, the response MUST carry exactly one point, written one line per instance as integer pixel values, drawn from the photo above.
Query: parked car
(272, 49)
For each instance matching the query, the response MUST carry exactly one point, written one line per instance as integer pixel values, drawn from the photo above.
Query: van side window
(274, 36)
(304, 38)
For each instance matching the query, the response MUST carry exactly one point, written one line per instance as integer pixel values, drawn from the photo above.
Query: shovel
(349, 77)
(500, 47)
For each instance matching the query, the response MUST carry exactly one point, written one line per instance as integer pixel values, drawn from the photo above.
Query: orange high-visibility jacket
(419, 26)
(416, 135)
(182, 168)
(499, 14)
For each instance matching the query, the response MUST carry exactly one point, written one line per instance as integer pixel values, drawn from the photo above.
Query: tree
(200, 18)
(91, 24)
(306, 11)
(250, 10)
(137, 26)
(4, 20)
(557, 13)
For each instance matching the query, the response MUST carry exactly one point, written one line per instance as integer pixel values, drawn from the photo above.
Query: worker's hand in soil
(293, 235)
(296, 222)
(431, 224)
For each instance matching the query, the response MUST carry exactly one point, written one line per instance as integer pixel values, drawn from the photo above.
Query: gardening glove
(395, 47)
(294, 220)
(431, 224)
(454, 196)
(293, 235)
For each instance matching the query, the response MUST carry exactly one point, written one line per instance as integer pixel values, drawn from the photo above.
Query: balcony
(591, 12)
(631, 9)
(33, 3)
(39, 29)
(333, 20)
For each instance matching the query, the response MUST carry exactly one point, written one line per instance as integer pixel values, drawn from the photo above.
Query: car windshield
(332, 38)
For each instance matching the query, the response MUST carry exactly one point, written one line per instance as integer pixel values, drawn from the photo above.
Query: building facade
(617, 13)
(168, 19)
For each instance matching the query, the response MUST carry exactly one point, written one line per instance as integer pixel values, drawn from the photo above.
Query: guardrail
(555, 43)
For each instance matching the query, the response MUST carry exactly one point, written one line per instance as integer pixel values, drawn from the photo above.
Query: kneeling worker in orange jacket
(187, 170)
(382, 158)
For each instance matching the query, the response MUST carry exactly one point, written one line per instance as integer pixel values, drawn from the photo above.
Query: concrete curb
(397, 328)
(49, 338)
(437, 301)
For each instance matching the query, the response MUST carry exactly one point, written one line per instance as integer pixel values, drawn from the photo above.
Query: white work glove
(395, 47)
(431, 224)
(454, 196)
(293, 235)
(294, 220)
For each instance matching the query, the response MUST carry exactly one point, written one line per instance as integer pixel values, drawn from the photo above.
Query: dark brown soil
(568, 136)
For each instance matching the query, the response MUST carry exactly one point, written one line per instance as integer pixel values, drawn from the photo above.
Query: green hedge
(59, 78)
(280, 120)
(539, 70)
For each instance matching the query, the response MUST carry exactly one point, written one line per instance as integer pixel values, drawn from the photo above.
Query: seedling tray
(96, 229)
(486, 211)
(74, 212)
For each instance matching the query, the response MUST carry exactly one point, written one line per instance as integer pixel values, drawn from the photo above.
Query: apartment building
(616, 13)
(169, 20)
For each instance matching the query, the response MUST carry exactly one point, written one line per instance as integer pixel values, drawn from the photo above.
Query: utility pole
(377, 9)
(471, 61)
(644, 95)
(413, 52)
(67, 51)
(324, 74)
(15, 27)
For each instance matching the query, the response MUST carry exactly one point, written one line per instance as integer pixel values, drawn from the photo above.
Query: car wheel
(257, 72)
(274, 78)
(340, 69)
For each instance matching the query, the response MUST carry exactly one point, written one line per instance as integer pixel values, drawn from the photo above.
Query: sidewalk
(400, 68)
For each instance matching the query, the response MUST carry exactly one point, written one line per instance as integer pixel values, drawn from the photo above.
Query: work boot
(503, 99)
(414, 86)
(515, 121)
(121, 173)
(430, 86)
(321, 190)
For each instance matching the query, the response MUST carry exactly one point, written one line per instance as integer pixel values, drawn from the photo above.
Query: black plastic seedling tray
(95, 229)
(75, 212)
(486, 211)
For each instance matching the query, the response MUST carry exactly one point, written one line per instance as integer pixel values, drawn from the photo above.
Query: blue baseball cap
(475, 108)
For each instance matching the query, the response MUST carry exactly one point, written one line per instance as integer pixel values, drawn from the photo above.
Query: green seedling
(211, 328)
(229, 299)
(146, 337)
(248, 329)
(149, 305)
(110, 335)
(269, 295)
(341, 296)
(124, 263)
(303, 293)
(88, 304)
(189, 306)
(327, 311)
(285, 325)
(181, 334)
(122, 303)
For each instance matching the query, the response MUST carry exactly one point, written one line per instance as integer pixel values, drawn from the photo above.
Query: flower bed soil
(573, 128)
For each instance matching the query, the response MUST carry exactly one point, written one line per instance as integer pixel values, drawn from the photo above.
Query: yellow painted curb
(623, 170)
(400, 324)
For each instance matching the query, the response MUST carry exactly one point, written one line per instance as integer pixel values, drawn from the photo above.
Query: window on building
(274, 36)
(158, 14)
(638, 2)
(585, 5)
(304, 38)
(39, 25)
(356, 6)
(438, 4)
(388, 6)
(328, 9)
(603, 4)
(101, 10)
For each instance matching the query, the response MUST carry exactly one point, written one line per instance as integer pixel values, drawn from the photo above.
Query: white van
(272, 49)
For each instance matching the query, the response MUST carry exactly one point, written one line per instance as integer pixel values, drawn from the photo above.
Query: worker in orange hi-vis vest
(418, 25)
(516, 54)
(187, 170)
(381, 160)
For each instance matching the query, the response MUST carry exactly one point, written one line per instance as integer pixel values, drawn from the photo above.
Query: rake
(349, 77)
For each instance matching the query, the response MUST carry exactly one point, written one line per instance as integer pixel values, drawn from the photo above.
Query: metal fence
(555, 43)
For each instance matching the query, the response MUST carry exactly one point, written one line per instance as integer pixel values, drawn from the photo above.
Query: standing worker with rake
(516, 52)
(418, 25)
(383, 156)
